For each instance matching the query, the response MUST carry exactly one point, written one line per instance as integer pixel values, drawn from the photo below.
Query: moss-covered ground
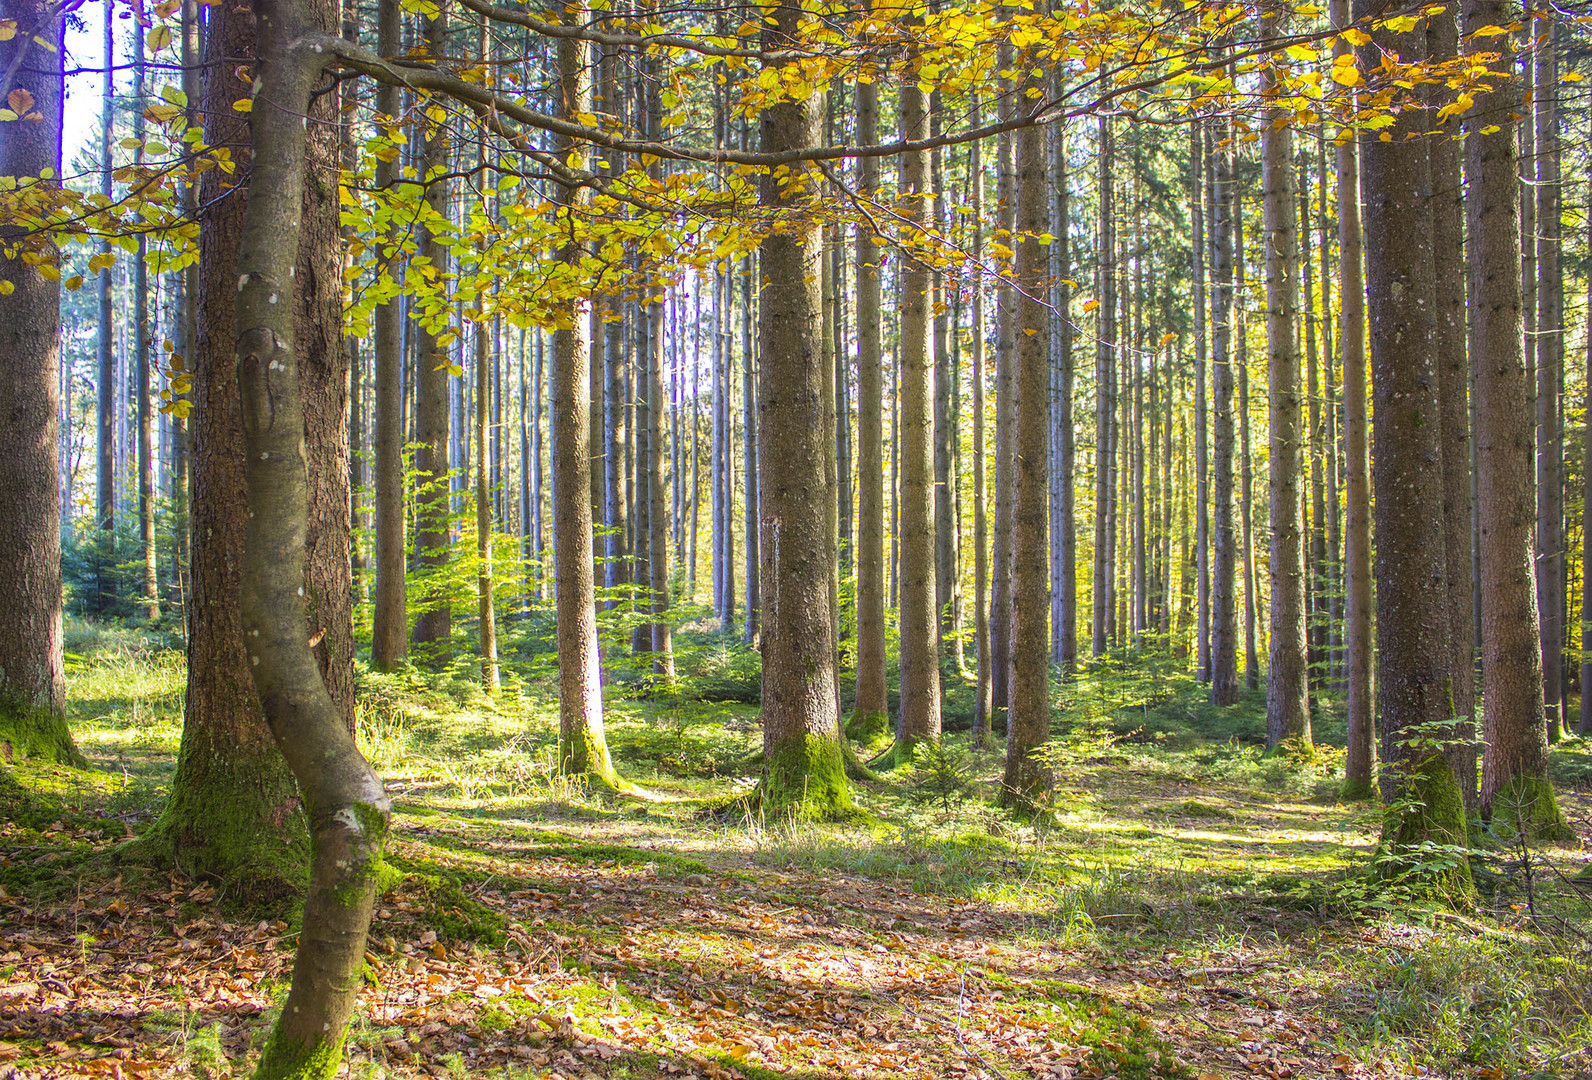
(1188, 906)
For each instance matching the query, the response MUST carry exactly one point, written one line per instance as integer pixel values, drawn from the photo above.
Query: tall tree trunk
(657, 513)
(1515, 788)
(141, 346)
(918, 622)
(1000, 617)
(1246, 466)
(981, 686)
(1414, 691)
(1586, 509)
(1360, 762)
(235, 809)
(582, 744)
(347, 809)
(1200, 188)
(803, 766)
(433, 401)
(1448, 239)
(1065, 601)
(616, 523)
(870, 714)
(1105, 322)
(486, 616)
(32, 675)
(1550, 366)
(1287, 696)
(1223, 622)
(1028, 704)
(1316, 626)
(104, 387)
(752, 496)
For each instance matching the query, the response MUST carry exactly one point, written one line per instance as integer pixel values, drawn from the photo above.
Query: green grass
(1182, 891)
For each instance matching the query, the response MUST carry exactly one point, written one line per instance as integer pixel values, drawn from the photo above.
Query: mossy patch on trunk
(1527, 804)
(806, 777)
(1423, 843)
(29, 731)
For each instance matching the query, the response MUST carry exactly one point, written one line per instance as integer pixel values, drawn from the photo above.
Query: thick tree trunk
(803, 764)
(234, 808)
(32, 679)
(389, 631)
(1287, 696)
(870, 714)
(1515, 788)
(1028, 704)
(1414, 691)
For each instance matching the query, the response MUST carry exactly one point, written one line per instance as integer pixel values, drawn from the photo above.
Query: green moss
(283, 1061)
(242, 824)
(452, 912)
(1356, 791)
(1423, 835)
(806, 776)
(900, 753)
(868, 727)
(27, 731)
(1528, 804)
(855, 769)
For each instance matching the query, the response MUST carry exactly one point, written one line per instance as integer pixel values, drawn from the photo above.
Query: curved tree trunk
(803, 765)
(347, 809)
(32, 679)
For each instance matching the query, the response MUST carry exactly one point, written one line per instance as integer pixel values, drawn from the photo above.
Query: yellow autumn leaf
(243, 105)
(159, 38)
(19, 100)
(1090, 305)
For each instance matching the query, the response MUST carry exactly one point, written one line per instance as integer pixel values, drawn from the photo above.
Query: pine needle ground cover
(1187, 907)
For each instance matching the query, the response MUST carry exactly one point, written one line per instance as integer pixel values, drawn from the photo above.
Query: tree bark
(434, 623)
(1064, 603)
(981, 686)
(1028, 704)
(803, 765)
(1550, 367)
(1223, 621)
(32, 676)
(347, 809)
(918, 616)
(1200, 190)
(1414, 691)
(150, 584)
(870, 716)
(389, 631)
(1287, 696)
(1448, 238)
(1105, 322)
(1360, 762)
(1515, 789)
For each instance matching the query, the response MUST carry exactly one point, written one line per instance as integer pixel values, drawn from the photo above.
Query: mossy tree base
(897, 755)
(38, 734)
(1528, 805)
(805, 777)
(281, 1061)
(855, 768)
(869, 728)
(242, 824)
(1423, 836)
(1356, 790)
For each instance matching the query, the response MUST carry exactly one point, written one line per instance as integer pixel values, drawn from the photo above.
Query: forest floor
(1191, 908)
